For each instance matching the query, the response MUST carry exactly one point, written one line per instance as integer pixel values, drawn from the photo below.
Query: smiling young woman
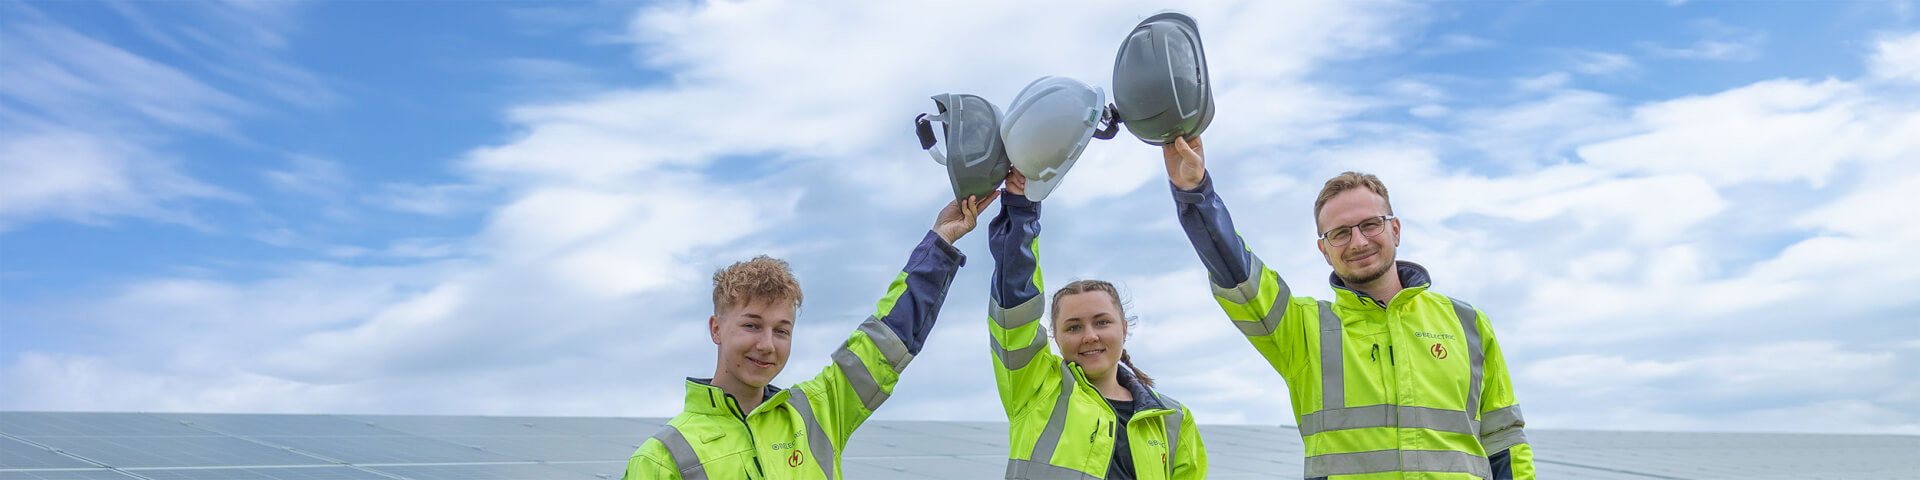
(1053, 400)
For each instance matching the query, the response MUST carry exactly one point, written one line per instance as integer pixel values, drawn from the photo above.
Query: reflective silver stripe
(1502, 440)
(1445, 461)
(1501, 419)
(1475, 357)
(682, 453)
(1172, 422)
(1379, 461)
(1057, 421)
(1267, 324)
(891, 347)
(1248, 289)
(817, 440)
(1373, 416)
(1011, 318)
(1017, 359)
(1032, 470)
(862, 380)
(1333, 383)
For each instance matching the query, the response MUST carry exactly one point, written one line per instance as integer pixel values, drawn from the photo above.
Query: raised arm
(1254, 296)
(868, 365)
(1024, 365)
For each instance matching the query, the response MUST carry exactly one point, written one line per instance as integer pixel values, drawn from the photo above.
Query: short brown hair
(1348, 181)
(761, 278)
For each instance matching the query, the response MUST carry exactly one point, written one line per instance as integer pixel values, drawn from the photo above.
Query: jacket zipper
(734, 405)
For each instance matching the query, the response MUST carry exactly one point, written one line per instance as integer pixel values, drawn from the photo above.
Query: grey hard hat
(976, 159)
(1160, 85)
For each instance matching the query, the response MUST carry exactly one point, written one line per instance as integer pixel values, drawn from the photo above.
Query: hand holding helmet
(1186, 162)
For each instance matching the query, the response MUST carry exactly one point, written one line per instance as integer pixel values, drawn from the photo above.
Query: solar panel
(437, 425)
(66, 446)
(78, 424)
(18, 454)
(586, 425)
(386, 449)
(303, 425)
(485, 472)
(88, 474)
(605, 470)
(545, 447)
(277, 473)
(122, 451)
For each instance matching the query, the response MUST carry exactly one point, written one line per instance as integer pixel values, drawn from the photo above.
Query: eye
(750, 326)
(783, 332)
(1073, 328)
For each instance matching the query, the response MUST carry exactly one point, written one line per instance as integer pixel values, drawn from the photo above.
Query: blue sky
(1681, 215)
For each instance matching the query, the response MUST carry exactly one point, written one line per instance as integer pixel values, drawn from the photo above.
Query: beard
(1364, 277)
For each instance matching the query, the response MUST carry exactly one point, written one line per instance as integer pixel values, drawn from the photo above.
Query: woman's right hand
(1016, 183)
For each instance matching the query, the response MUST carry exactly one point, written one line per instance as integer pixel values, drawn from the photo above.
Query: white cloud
(1602, 63)
(61, 174)
(438, 199)
(1647, 250)
(1752, 133)
(1455, 43)
(1897, 57)
(89, 124)
(310, 176)
(1719, 42)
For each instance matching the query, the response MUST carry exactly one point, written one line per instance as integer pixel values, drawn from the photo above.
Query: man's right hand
(1016, 183)
(1186, 162)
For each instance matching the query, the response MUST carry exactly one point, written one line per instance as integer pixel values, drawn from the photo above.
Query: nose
(1358, 240)
(765, 342)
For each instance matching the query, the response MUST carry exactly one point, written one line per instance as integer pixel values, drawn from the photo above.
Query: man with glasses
(1387, 377)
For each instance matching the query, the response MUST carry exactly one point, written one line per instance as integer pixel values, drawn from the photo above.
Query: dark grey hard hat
(976, 159)
(1160, 85)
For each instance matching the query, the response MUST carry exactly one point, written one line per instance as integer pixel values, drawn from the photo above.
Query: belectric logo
(794, 461)
(1438, 351)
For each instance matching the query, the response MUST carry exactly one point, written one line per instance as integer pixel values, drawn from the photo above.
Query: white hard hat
(1048, 125)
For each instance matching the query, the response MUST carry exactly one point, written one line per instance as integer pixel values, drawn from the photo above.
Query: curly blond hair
(761, 278)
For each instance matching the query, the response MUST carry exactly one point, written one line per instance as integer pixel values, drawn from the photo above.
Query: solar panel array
(168, 446)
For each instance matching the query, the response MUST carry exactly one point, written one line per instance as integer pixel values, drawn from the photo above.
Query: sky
(1680, 216)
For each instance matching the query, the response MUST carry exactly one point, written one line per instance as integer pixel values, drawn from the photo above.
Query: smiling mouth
(1090, 353)
(760, 364)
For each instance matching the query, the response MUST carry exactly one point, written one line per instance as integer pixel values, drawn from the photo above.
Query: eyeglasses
(1340, 236)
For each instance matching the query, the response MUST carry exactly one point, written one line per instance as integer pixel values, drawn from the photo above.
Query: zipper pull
(1375, 354)
(1390, 355)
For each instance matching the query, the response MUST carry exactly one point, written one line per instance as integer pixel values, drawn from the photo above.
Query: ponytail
(1138, 375)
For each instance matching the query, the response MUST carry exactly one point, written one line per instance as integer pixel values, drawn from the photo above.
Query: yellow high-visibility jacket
(1412, 387)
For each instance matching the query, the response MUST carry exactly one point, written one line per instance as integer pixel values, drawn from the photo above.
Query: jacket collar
(1413, 277)
(705, 399)
(1143, 396)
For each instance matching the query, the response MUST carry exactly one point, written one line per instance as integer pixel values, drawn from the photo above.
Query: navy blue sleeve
(1502, 465)
(917, 294)
(1010, 239)
(1204, 217)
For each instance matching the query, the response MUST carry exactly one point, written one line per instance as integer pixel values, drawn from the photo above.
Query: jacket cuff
(939, 249)
(1199, 193)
